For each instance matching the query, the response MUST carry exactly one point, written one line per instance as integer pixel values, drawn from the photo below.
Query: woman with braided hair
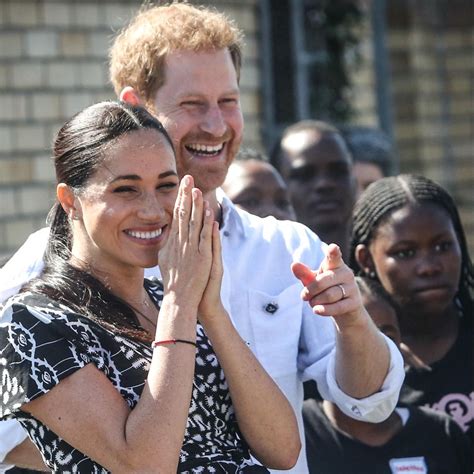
(408, 235)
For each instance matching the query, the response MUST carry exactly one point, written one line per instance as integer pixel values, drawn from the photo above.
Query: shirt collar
(232, 217)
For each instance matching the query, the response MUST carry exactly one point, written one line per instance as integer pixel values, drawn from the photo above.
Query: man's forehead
(304, 143)
(182, 59)
(299, 140)
(201, 73)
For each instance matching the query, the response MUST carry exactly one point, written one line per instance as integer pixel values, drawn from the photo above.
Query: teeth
(205, 148)
(145, 235)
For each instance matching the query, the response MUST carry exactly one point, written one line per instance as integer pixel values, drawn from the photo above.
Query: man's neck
(211, 198)
(339, 236)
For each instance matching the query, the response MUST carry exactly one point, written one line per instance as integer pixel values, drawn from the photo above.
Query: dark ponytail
(79, 150)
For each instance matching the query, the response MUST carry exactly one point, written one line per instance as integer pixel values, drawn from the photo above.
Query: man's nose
(323, 181)
(213, 122)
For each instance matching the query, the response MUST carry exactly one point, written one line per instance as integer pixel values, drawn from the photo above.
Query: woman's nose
(429, 263)
(150, 208)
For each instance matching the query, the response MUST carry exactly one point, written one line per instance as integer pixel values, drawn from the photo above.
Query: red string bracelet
(171, 341)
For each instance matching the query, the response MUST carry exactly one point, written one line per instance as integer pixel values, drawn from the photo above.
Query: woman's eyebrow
(135, 177)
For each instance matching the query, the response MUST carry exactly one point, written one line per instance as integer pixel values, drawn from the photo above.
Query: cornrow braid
(385, 196)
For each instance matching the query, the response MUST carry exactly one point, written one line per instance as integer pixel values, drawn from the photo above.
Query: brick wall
(53, 63)
(431, 55)
(431, 80)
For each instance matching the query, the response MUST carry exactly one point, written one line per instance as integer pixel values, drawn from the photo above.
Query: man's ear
(130, 96)
(364, 259)
(68, 201)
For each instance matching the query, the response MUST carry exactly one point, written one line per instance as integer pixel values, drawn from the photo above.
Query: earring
(73, 216)
(371, 274)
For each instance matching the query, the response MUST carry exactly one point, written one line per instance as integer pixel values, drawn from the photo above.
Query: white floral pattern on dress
(42, 342)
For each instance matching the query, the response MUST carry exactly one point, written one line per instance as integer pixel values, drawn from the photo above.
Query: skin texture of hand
(186, 258)
(362, 355)
(322, 290)
(211, 304)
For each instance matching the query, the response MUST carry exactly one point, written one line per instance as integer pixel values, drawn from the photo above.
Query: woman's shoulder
(35, 304)
(41, 314)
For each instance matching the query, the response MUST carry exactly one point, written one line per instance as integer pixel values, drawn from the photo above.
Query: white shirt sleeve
(377, 407)
(11, 435)
(26, 263)
(316, 360)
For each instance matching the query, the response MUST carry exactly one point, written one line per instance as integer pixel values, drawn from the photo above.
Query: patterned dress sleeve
(40, 344)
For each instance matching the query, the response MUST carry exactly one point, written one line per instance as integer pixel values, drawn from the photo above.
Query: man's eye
(302, 174)
(191, 103)
(230, 101)
(283, 203)
(340, 172)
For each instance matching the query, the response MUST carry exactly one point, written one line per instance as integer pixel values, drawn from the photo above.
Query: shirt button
(226, 233)
(271, 308)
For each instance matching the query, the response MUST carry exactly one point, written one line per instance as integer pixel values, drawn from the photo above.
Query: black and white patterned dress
(42, 342)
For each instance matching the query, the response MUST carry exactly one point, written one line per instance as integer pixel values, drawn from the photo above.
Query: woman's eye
(404, 253)
(443, 246)
(167, 186)
(124, 189)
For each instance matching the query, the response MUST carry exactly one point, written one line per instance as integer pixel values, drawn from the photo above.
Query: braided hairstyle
(385, 196)
(79, 150)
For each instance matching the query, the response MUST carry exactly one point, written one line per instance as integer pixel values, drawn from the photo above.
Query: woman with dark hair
(408, 235)
(108, 373)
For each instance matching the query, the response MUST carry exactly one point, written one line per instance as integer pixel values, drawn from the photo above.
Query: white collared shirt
(262, 296)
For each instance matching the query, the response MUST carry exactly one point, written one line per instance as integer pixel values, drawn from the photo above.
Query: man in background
(316, 164)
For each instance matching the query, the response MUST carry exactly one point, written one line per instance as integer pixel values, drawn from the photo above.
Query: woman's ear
(364, 259)
(130, 95)
(68, 201)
